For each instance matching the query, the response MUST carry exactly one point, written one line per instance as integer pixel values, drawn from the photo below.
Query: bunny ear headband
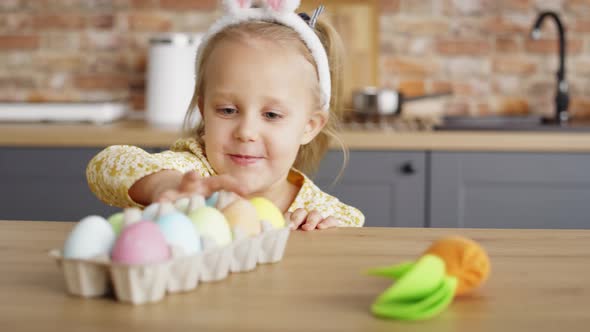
(281, 12)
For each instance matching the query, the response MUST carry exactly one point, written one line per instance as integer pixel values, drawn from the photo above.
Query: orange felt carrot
(422, 289)
(464, 259)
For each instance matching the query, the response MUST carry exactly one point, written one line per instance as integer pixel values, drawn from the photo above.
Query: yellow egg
(241, 213)
(268, 211)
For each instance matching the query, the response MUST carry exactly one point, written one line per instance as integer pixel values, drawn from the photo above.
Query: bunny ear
(283, 6)
(234, 6)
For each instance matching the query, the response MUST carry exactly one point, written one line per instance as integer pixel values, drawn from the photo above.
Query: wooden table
(540, 282)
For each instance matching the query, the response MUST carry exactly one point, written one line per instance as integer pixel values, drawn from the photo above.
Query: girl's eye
(226, 111)
(272, 115)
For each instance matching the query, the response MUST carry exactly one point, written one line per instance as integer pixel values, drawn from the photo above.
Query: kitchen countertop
(539, 282)
(141, 134)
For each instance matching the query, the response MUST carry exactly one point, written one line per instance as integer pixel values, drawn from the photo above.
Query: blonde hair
(310, 155)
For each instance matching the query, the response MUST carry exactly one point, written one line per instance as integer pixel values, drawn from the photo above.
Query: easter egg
(92, 236)
(141, 243)
(211, 223)
(242, 214)
(117, 220)
(268, 211)
(179, 231)
(464, 259)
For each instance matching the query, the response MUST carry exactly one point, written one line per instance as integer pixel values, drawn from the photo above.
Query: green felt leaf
(393, 272)
(420, 280)
(419, 309)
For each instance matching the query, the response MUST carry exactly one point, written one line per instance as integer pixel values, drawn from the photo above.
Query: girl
(265, 78)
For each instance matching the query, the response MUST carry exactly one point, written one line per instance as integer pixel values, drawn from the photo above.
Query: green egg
(211, 223)
(117, 221)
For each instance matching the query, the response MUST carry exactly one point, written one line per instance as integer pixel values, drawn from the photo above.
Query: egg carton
(139, 284)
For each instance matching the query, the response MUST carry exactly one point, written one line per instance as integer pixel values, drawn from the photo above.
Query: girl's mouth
(244, 160)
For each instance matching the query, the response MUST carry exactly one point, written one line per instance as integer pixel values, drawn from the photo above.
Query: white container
(170, 78)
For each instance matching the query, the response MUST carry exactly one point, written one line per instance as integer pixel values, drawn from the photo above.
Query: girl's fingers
(313, 219)
(328, 223)
(192, 183)
(298, 217)
(287, 217)
(168, 196)
(189, 182)
(208, 186)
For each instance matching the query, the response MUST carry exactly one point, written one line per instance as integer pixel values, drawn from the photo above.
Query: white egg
(92, 236)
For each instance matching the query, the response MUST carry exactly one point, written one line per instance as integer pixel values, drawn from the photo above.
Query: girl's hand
(301, 219)
(191, 184)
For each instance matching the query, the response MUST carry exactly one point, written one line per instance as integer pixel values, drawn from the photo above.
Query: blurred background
(480, 50)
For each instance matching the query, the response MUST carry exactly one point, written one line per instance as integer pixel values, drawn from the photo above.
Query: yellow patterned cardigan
(115, 169)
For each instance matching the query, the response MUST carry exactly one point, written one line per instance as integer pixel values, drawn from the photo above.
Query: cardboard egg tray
(138, 284)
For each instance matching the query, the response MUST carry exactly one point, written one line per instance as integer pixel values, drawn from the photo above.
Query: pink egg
(141, 243)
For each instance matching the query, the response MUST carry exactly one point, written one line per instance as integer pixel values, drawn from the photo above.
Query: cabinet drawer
(371, 165)
(45, 162)
(49, 199)
(388, 187)
(47, 184)
(510, 190)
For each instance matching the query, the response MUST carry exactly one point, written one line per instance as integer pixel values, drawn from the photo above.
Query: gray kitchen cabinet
(388, 187)
(395, 189)
(47, 184)
(510, 190)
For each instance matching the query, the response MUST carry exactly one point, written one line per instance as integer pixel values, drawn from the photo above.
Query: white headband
(275, 11)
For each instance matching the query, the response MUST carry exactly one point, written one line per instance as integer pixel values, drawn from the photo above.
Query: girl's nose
(247, 129)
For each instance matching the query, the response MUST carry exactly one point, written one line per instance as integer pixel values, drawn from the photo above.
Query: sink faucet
(561, 97)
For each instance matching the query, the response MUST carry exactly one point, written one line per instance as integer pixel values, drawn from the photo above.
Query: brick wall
(54, 50)
(479, 49)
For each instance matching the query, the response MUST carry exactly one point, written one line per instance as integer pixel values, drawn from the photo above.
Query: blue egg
(179, 231)
(212, 200)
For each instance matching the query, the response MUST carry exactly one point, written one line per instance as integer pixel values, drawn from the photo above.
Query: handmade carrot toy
(452, 266)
